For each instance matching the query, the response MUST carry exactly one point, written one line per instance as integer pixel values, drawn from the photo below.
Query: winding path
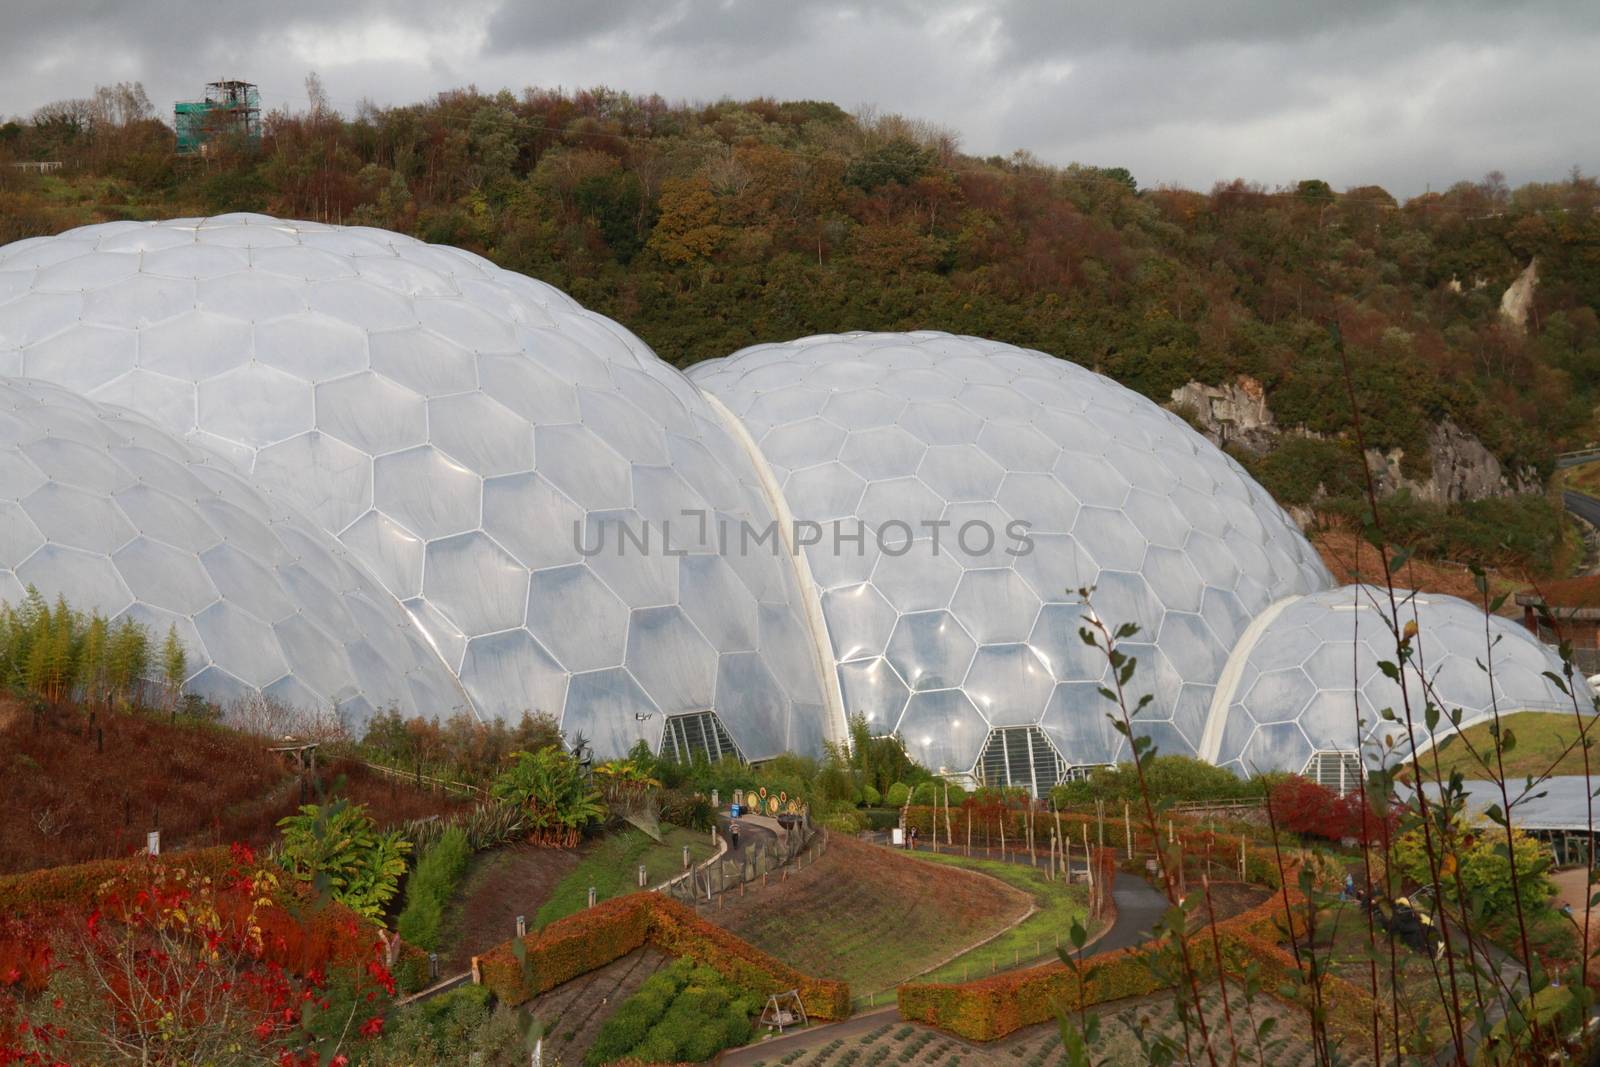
(1139, 907)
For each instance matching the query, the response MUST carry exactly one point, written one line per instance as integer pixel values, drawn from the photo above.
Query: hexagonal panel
(1009, 684)
(918, 579)
(481, 434)
(475, 583)
(995, 605)
(426, 492)
(577, 618)
(930, 650)
(165, 576)
(942, 730)
(881, 452)
(312, 347)
(255, 405)
(371, 413)
(671, 660)
(583, 467)
(422, 361)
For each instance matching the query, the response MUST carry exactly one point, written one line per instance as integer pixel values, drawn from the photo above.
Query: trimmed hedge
(58, 889)
(592, 938)
(991, 1008)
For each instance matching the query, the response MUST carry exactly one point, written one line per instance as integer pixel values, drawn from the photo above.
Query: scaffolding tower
(230, 109)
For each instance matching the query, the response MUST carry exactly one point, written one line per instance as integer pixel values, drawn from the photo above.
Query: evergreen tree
(92, 658)
(174, 664)
(127, 659)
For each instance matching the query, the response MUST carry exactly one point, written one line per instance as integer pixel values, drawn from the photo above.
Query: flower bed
(594, 937)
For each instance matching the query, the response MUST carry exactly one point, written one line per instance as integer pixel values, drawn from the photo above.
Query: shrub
(338, 850)
(870, 796)
(431, 886)
(549, 785)
(899, 793)
(684, 1013)
(1168, 778)
(589, 939)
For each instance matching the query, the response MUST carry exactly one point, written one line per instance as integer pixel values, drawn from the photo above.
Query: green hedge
(430, 887)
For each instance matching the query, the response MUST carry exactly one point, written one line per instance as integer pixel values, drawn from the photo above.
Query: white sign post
(152, 842)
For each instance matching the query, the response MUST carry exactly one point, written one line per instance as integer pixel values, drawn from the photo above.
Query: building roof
(1568, 593)
(1560, 803)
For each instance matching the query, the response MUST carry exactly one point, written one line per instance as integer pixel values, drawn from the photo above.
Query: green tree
(127, 659)
(174, 663)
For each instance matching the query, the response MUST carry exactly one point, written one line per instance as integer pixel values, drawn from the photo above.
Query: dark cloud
(1404, 93)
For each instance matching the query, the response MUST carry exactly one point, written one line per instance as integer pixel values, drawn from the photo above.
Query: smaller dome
(1308, 679)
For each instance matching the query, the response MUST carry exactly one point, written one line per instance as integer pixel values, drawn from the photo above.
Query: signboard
(897, 836)
(153, 842)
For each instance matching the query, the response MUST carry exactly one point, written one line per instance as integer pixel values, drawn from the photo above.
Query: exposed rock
(1517, 301)
(1232, 414)
(1461, 467)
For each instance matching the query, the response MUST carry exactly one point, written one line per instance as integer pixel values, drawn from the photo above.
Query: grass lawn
(1057, 904)
(1541, 739)
(868, 915)
(612, 867)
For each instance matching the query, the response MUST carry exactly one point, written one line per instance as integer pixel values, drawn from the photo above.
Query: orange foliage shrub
(593, 938)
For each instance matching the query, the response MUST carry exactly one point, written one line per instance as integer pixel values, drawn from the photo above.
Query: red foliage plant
(168, 964)
(1302, 806)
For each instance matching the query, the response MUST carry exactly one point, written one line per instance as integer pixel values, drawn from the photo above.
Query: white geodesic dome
(119, 516)
(334, 422)
(466, 432)
(1309, 680)
(954, 647)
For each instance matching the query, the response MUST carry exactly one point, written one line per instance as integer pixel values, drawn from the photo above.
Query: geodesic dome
(955, 644)
(335, 421)
(469, 434)
(104, 508)
(1309, 681)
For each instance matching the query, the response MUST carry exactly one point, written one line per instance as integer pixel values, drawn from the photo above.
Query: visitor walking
(733, 836)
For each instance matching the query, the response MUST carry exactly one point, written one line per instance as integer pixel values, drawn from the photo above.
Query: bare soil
(1227, 900)
(499, 886)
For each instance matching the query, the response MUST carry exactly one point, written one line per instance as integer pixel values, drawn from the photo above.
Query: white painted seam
(836, 727)
(1222, 696)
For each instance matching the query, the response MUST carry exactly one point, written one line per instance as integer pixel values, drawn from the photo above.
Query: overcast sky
(1402, 94)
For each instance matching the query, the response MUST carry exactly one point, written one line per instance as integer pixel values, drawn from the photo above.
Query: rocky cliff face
(1236, 414)
(1233, 414)
(1463, 469)
(1517, 301)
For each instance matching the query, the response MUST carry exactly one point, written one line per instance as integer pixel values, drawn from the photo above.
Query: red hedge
(991, 1008)
(592, 938)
